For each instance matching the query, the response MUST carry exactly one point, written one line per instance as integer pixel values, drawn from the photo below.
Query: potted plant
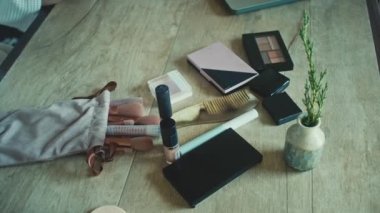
(305, 140)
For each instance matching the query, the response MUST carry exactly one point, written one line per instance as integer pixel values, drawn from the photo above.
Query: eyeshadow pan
(273, 43)
(261, 40)
(263, 44)
(275, 54)
(277, 60)
(172, 86)
(265, 47)
(265, 58)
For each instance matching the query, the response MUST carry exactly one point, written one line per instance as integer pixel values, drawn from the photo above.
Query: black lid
(281, 108)
(269, 83)
(163, 101)
(168, 132)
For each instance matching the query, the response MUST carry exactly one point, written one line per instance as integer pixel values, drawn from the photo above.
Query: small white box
(178, 87)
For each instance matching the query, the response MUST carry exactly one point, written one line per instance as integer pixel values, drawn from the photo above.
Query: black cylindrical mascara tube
(163, 101)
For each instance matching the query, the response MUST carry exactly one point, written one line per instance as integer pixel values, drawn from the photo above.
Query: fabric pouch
(61, 129)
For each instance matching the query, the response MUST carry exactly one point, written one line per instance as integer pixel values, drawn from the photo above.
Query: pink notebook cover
(222, 67)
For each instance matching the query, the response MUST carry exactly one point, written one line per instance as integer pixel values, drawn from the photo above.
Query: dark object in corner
(374, 17)
(23, 40)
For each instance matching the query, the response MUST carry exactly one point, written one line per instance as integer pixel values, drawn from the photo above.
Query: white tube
(133, 130)
(126, 101)
(233, 123)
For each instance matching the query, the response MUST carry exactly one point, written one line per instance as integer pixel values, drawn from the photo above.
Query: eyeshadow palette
(267, 51)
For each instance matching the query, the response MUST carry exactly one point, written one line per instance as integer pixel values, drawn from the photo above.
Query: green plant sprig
(315, 88)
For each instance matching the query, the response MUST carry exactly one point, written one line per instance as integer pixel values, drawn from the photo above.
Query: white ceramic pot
(303, 145)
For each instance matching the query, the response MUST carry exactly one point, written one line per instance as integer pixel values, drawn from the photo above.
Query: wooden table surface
(85, 43)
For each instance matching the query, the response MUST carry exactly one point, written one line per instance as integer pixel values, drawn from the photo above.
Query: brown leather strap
(110, 86)
(98, 155)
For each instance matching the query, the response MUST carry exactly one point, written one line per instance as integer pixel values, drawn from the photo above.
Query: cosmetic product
(222, 67)
(281, 108)
(269, 83)
(179, 88)
(126, 101)
(163, 101)
(210, 166)
(133, 130)
(110, 86)
(233, 123)
(170, 140)
(244, 6)
(267, 51)
(216, 109)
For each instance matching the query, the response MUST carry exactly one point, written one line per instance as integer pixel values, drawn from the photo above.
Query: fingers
(149, 119)
(130, 110)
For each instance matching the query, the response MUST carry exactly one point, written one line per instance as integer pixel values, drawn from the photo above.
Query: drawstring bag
(72, 127)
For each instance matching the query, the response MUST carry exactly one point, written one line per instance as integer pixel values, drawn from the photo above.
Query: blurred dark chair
(22, 39)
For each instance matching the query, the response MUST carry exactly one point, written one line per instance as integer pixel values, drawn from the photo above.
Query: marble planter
(303, 146)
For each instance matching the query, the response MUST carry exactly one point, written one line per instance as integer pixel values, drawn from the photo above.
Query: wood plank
(86, 43)
(110, 48)
(296, 187)
(116, 40)
(344, 181)
(63, 185)
(263, 188)
(204, 22)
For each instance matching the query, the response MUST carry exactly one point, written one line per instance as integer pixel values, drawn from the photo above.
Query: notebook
(222, 67)
(210, 166)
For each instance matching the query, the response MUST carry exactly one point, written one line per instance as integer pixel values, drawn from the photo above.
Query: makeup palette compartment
(267, 51)
(179, 88)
